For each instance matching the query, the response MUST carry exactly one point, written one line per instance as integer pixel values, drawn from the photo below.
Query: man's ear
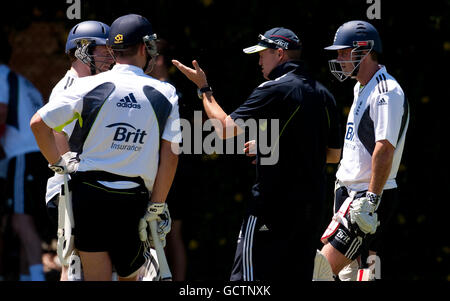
(142, 49)
(280, 52)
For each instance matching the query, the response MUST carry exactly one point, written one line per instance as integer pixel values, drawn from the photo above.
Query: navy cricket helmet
(356, 34)
(94, 31)
(362, 38)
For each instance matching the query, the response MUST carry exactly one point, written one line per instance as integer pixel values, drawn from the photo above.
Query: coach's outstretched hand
(197, 75)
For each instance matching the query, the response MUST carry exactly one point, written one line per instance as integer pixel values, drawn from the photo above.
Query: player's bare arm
(382, 157)
(45, 139)
(61, 142)
(333, 155)
(223, 123)
(166, 172)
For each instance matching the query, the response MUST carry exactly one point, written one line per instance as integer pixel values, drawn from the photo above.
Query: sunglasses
(278, 44)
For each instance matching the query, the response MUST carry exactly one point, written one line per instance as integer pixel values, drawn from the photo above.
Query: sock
(37, 272)
(24, 277)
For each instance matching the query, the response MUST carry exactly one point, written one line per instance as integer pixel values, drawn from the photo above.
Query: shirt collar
(284, 68)
(125, 68)
(373, 79)
(72, 73)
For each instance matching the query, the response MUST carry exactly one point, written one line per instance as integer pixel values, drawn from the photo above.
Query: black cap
(129, 30)
(278, 37)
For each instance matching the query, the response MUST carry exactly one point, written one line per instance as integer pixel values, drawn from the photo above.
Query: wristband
(203, 90)
(373, 197)
(57, 167)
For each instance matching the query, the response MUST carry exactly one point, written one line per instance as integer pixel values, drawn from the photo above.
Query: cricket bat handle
(162, 261)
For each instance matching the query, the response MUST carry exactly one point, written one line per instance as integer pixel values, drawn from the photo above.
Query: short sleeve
(387, 111)
(172, 128)
(66, 107)
(257, 105)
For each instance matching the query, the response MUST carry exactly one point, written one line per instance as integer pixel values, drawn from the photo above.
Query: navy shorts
(107, 219)
(350, 241)
(263, 253)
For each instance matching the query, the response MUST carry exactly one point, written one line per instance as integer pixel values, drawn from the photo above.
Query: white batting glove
(163, 226)
(68, 163)
(362, 212)
(160, 213)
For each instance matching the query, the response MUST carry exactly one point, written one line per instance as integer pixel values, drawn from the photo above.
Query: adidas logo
(263, 228)
(381, 102)
(128, 102)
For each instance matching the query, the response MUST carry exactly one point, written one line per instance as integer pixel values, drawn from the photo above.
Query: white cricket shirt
(379, 111)
(18, 137)
(122, 113)
(65, 83)
(54, 183)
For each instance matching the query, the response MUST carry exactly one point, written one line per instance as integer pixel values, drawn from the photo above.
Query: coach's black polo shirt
(293, 188)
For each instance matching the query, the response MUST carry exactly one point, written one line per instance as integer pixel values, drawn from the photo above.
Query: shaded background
(214, 189)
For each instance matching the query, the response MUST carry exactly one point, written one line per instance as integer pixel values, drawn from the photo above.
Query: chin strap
(84, 53)
(148, 58)
(92, 67)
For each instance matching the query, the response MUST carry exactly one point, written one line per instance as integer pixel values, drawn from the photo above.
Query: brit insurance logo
(127, 137)
(350, 134)
(349, 142)
(342, 236)
(128, 101)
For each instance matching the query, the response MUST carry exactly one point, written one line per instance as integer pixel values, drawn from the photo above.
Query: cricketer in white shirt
(379, 112)
(54, 183)
(121, 116)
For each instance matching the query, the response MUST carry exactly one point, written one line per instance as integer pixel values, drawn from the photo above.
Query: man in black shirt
(279, 233)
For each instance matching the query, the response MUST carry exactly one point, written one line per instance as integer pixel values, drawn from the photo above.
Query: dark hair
(166, 50)
(374, 55)
(71, 55)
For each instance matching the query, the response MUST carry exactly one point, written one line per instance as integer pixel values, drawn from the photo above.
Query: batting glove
(160, 213)
(68, 163)
(362, 212)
